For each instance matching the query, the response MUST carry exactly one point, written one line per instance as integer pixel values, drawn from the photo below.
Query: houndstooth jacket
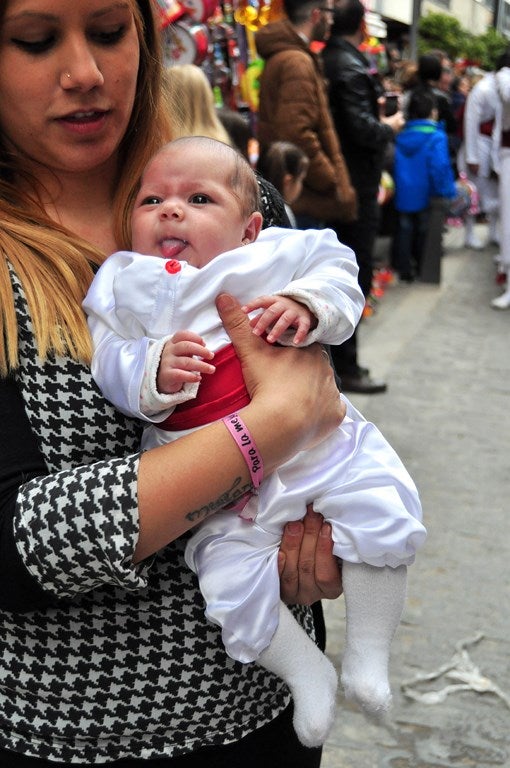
(98, 660)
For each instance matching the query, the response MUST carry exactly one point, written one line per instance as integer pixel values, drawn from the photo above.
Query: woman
(105, 654)
(191, 103)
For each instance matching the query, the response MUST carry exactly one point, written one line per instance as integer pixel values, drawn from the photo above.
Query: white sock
(374, 599)
(311, 677)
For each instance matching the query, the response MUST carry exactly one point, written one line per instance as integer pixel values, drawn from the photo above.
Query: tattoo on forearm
(228, 497)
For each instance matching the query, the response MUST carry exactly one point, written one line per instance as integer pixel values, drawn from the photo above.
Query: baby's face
(185, 209)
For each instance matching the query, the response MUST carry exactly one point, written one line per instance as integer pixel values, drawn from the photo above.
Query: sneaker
(502, 302)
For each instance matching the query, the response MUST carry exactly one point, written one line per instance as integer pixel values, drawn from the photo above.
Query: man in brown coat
(293, 106)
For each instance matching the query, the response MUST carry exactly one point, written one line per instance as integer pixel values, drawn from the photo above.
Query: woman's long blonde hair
(53, 265)
(191, 102)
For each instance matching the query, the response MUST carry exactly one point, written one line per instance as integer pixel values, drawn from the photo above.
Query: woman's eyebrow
(46, 16)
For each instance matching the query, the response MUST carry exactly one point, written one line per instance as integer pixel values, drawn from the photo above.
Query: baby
(196, 232)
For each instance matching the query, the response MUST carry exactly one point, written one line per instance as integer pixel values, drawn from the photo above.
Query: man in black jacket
(355, 100)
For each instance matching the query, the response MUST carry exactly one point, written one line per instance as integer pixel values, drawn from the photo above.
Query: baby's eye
(200, 199)
(151, 200)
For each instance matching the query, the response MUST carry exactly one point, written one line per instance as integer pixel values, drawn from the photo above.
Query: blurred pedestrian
(285, 165)
(477, 157)
(355, 100)
(191, 103)
(434, 70)
(502, 136)
(294, 107)
(422, 171)
(239, 131)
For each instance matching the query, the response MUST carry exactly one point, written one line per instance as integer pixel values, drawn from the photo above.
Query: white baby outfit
(354, 477)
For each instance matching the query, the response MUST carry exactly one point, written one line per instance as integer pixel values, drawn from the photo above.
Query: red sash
(487, 127)
(219, 394)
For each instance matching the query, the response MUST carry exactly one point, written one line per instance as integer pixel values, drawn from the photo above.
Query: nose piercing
(67, 74)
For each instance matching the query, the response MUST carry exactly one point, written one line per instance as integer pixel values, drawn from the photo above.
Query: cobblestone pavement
(446, 356)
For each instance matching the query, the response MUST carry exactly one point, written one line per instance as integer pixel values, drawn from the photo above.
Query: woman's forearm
(294, 405)
(182, 483)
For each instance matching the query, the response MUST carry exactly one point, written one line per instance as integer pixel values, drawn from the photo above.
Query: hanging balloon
(246, 15)
(200, 10)
(264, 14)
(185, 44)
(252, 16)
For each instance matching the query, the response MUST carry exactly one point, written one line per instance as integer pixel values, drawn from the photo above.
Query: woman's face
(68, 72)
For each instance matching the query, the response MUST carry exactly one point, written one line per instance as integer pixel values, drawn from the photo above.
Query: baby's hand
(280, 313)
(183, 359)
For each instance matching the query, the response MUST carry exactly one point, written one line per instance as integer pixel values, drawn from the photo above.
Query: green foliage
(443, 32)
(492, 44)
(438, 30)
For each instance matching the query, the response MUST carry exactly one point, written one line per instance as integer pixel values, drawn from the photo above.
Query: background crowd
(404, 149)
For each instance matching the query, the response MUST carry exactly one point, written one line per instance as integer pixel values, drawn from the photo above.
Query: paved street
(446, 356)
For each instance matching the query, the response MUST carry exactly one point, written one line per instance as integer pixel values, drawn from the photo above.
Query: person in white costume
(475, 156)
(195, 227)
(502, 142)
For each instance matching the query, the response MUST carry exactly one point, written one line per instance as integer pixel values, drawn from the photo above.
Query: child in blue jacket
(422, 170)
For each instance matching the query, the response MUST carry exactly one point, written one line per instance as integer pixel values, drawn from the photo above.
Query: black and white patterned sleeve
(61, 532)
(77, 530)
(68, 480)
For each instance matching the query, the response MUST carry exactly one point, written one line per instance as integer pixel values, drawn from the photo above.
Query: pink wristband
(246, 445)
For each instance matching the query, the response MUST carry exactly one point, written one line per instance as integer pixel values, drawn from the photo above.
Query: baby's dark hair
(422, 102)
(280, 158)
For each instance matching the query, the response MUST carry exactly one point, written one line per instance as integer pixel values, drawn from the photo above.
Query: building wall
(504, 17)
(398, 10)
(475, 15)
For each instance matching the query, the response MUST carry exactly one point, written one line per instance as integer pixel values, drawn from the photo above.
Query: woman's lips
(84, 122)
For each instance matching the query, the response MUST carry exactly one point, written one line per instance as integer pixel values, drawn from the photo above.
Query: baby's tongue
(171, 248)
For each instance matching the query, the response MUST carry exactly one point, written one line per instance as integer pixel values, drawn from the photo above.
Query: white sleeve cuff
(324, 312)
(152, 402)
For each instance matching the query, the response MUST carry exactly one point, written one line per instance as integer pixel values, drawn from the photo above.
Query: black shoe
(363, 384)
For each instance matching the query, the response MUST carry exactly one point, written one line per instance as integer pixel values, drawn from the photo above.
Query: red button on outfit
(173, 266)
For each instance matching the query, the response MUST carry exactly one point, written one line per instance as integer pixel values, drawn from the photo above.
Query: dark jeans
(359, 235)
(304, 221)
(273, 746)
(410, 240)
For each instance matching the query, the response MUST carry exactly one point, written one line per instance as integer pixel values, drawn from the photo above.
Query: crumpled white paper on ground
(461, 668)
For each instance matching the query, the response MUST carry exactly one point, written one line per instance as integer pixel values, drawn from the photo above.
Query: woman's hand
(295, 404)
(308, 569)
(294, 387)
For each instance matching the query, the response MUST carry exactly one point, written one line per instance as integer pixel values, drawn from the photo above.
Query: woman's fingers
(308, 569)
